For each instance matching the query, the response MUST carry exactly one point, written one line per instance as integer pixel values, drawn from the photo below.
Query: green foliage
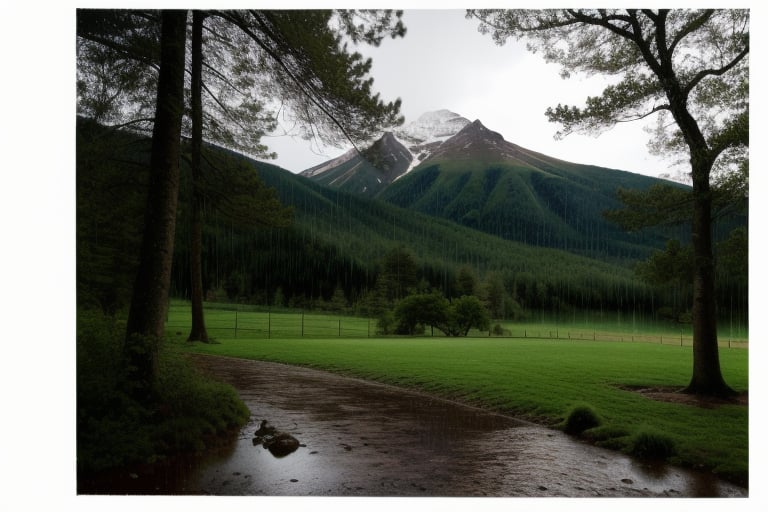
(398, 276)
(421, 309)
(185, 412)
(111, 190)
(672, 266)
(386, 323)
(117, 59)
(660, 204)
(466, 281)
(454, 318)
(580, 418)
(231, 187)
(733, 256)
(651, 444)
(465, 313)
(495, 295)
(327, 87)
(540, 201)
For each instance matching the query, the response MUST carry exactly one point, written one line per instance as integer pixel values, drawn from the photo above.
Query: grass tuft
(581, 417)
(651, 444)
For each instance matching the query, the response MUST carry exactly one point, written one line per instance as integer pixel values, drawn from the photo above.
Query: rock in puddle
(279, 444)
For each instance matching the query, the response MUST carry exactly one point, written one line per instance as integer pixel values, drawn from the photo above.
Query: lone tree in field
(688, 67)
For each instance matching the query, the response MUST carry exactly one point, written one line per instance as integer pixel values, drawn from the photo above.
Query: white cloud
(444, 62)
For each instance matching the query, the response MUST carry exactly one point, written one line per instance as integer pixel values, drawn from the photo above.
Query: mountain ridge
(478, 179)
(393, 155)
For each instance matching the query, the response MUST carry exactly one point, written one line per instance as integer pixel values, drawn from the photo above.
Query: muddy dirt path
(364, 439)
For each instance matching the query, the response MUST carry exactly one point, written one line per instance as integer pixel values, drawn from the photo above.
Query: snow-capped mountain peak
(431, 127)
(395, 153)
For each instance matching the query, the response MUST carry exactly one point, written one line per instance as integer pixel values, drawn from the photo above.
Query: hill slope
(462, 171)
(478, 179)
(351, 234)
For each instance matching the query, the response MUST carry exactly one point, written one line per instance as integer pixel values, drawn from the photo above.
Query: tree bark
(149, 302)
(198, 331)
(707, 378)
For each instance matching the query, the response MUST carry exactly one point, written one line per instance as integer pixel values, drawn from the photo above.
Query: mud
(364, 439)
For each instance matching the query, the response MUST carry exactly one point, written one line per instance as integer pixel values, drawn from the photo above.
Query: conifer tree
(688, 67)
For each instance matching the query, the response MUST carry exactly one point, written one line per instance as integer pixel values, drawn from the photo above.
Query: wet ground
(364, 439)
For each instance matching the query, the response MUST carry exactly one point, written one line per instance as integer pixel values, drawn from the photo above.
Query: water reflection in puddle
(366, 439)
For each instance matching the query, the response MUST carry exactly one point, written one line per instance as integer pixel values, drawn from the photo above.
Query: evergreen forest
(332, 248)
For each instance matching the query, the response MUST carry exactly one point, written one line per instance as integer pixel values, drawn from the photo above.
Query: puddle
(364, 439)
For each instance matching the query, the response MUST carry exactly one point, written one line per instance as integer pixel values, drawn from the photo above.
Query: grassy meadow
(536, 378)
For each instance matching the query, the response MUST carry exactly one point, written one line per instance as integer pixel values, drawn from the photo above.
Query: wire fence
(244, 323)
(266, 324)
(681, 339)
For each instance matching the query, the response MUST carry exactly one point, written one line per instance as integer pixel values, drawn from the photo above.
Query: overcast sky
(443, 62)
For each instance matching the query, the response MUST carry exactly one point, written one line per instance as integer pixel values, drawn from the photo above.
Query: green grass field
(539, 379)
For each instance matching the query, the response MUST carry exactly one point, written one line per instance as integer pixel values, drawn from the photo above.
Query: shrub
(648, 444)
(114, 429)
(581, 418)
(386, 323)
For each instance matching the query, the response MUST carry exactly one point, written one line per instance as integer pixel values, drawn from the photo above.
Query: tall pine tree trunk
(149, 302)
(198, 332)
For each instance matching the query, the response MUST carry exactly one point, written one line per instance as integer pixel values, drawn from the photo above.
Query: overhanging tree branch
(300, 84)
(701, 75)
(691, 27)
(638, 117)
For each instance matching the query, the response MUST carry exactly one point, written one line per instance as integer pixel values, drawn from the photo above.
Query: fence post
(269, 324)
(339, 327)
(235, 323)
(302, 324)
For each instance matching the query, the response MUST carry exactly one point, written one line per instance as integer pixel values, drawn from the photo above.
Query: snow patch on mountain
(330, 164)
(420, 138)
(428, 132)
(431, 127)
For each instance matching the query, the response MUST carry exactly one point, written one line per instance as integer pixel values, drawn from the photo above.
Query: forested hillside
(334, 251)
